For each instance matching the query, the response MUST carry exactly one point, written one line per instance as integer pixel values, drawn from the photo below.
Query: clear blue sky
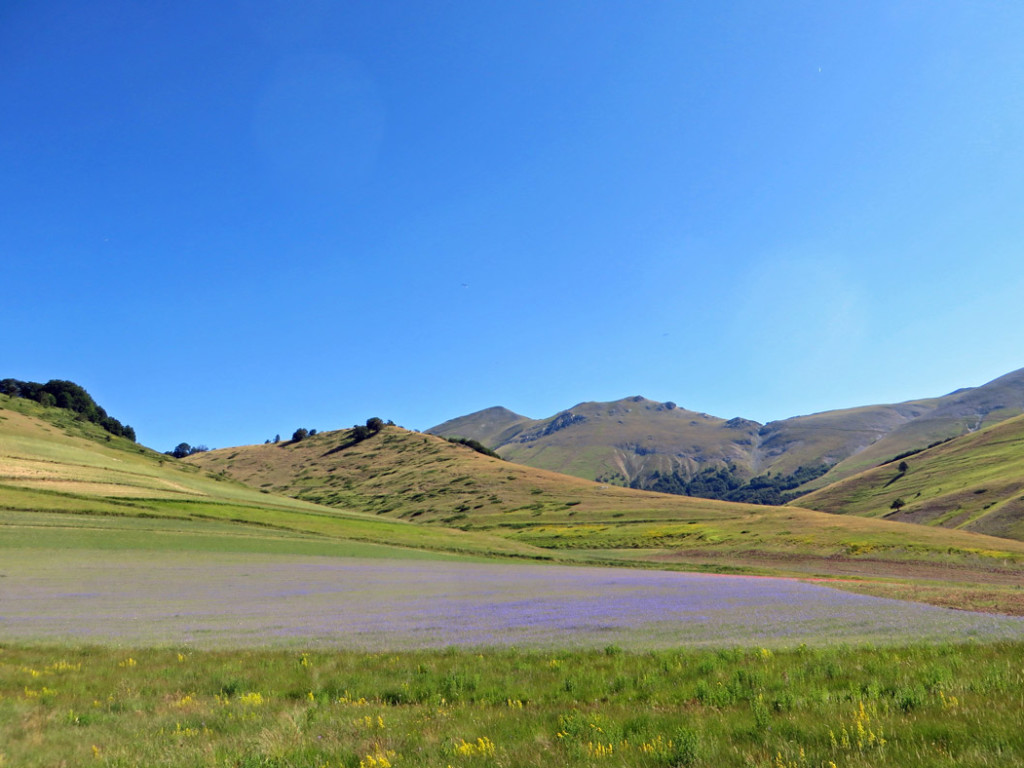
(228, 220)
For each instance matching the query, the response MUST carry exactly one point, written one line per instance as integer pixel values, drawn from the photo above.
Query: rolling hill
(634, 441)
(974, 482)
(65, 482)
(398, 474)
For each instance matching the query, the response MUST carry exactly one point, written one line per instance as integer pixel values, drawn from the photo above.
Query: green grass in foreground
(915, 706)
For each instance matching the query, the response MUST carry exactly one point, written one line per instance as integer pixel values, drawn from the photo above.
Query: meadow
(837, 707)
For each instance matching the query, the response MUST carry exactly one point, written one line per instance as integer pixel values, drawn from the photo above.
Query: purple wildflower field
(210, 601)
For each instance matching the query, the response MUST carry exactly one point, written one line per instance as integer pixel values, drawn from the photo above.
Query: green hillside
(66, 482)
(635, 440)
(397, 474)
(958, 413)
(973, 483)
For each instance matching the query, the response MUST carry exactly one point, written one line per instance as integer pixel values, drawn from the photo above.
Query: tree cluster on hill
(57, 393)
(476, 445)
(723, 482)
(360, 431)
(181, 450)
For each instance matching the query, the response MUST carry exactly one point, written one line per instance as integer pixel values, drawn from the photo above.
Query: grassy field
(408, 476)
(60, 477)
(815, 708)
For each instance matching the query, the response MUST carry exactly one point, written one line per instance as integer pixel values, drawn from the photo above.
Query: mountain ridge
(633, 440)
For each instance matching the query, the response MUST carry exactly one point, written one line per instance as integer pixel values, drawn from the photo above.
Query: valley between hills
(381, 597)
(955, 539)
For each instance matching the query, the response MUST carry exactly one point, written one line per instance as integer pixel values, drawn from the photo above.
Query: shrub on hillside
(476, 445)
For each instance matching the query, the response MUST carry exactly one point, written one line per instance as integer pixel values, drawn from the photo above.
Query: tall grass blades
(800, 708)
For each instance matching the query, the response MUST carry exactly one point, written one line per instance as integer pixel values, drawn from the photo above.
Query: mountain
(490, 426)
(974, 482)
(639, 442)
(614, 442)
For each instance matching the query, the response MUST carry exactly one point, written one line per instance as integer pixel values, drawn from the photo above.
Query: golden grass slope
(57, 472)
(422, 478)
(972, 483)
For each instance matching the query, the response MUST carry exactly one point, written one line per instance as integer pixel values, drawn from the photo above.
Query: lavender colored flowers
(268, 601)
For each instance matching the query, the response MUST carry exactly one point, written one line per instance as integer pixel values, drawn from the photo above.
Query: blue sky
(228, 220)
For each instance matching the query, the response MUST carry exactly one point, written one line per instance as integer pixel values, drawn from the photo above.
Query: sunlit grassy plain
(63, 486)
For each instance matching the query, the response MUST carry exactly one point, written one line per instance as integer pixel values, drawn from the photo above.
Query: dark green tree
(11, 387)
(67, 395)
(300, 434)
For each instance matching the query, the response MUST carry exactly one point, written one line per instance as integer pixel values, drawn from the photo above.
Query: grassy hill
(958, 413)
(974, 482)
(403, 475)
(617, 441)
(65, 482)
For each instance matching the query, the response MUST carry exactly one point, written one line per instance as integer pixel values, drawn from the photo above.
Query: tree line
(726, 484)
(57, 393)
